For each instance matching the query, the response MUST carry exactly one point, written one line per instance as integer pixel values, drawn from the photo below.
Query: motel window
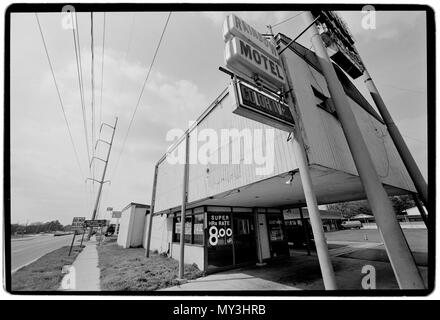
(177, 229)
(194, 229)
(275, 227)
(323, 102)
(198, 227)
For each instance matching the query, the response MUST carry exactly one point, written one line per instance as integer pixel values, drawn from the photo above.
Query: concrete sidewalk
(351, 247)
(230, 281)
(298, 272)
(83, 274)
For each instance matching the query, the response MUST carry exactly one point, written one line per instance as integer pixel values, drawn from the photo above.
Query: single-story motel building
(234, 215)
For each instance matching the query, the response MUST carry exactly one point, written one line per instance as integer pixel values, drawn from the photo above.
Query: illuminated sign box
(236, 27)
(261, 106)
(242, 56)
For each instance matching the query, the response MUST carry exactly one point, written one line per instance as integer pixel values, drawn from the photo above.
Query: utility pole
(183, 208)
(150, 218)
(402, 261)
(328, 274)
(102, 181)
(402, 148)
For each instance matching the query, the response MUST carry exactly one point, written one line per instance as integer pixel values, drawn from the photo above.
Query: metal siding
(326, 139)
(322, 134)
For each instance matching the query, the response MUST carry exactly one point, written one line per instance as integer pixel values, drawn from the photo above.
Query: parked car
(351, 224)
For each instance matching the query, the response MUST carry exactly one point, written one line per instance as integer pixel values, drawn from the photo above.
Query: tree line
(37, 227)
(352, 208)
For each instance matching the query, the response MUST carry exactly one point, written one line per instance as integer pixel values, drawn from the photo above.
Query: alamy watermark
(226, 146)
(368, 20)
(68, 20)
(369, 280)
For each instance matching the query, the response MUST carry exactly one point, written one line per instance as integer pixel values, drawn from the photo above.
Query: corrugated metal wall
(322, 133)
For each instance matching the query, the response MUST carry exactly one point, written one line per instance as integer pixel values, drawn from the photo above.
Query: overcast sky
(46, 181)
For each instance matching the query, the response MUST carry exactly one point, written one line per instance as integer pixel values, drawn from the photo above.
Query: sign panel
(245, 58)
(78, 223)
(116, 214)
(261, 106)
(95, 223)
(219, 229)
(275, 227)
(236, 27)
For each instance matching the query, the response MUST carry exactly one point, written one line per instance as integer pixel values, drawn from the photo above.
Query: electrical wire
(59, 95)
(80, 83)
(418, 140)
(122, 65)
(102, 70)
(403, 89)
(288, 19)
(92, 78)
(142, 91)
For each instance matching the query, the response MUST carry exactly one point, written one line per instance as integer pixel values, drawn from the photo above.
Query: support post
(402, 261)
(306, 230)
(183, 208)
(150, 217)
(399, 142)
(98, 196)
(328, 275)
(82, 238)
(260, 262)
(73, 240)
(421, 210)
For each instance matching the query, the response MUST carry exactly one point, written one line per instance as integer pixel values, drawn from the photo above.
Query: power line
(59, 95)
(418, 140)
(142, 90)
(102, 71)
(288, 19)
(80, 83)
(403, 89)
(92, 78)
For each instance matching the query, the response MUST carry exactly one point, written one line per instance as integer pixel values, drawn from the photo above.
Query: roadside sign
(236, 27)
(116, 214)
(78, 223)
(247, 59)
(261, 106)
(95, 223)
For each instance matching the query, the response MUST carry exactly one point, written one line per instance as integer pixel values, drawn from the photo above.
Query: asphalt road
(26, 250)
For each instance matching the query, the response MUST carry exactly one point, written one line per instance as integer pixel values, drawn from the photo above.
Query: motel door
(219, 236)
(244, 238)
(231, 239)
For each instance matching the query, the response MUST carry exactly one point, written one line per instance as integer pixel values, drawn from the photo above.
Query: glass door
(244, 238)
(277, 238)
(219, 240)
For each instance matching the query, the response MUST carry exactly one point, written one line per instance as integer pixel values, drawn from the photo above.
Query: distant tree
(352, 208)
(401, 203)
(14, 228)
(37, 227)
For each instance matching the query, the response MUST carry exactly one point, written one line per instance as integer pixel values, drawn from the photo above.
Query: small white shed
(132, 222)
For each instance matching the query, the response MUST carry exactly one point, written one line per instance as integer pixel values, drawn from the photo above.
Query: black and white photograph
(201, 149)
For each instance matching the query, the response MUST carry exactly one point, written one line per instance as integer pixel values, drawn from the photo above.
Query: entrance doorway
(231, 239)
(244, 238)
